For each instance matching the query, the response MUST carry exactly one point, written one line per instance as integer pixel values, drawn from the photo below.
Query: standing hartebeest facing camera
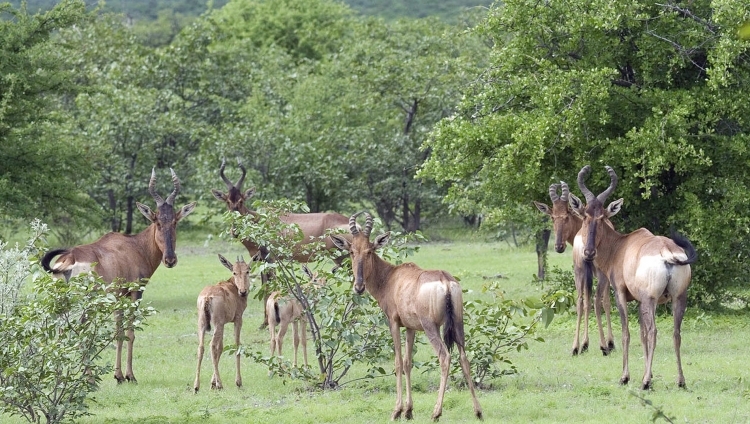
(413, 298)
(641, 266)
(566, 225)
(130, 258)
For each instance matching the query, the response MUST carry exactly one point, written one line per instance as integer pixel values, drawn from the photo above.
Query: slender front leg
(303, 337)
(586, 315)
(119, 336)
(295, 339)
(398, 364)
(622, 307)
(579, 314)
(129, 366)
(237, 330)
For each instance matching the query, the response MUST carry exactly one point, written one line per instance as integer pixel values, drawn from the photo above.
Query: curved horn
(612, 185)
(565, 191)
(242, 258)
(224, 177)
(152, 189)
(353, 224)
(368, 224)
(553, 193)
(242, 178)
(176, 183)
(582, 186)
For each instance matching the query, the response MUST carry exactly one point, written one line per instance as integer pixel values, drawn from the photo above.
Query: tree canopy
(657, 91)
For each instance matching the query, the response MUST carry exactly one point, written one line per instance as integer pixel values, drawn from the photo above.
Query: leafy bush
(53, 337)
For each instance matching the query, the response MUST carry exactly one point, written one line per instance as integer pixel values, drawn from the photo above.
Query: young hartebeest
(565, 225)
(217, 305)
(283, 310)
(413, 298)
(642, 267)
(130, 258)
(312, 225)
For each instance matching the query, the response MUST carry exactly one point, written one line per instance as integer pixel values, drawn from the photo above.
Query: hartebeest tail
(129, 258)
(565, 225)
(413, 298)
(218, 305)
(643, 267)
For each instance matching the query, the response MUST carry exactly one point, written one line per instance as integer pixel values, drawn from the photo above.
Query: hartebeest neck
(574, 225)
(377, 276)
(146, 244)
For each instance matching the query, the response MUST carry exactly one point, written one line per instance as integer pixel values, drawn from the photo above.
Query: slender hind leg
(679, 304)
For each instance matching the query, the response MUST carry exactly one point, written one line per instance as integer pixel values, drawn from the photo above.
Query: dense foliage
(657, 91)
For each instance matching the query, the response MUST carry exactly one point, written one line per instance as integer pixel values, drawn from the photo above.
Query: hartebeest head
(240, 274)
(594, 213)
(565, 224)
(362, 251)
(165, 219)
(234, 197)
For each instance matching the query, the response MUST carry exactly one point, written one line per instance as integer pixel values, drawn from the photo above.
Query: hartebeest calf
(312, 225)
(565, 225)
(283, 310)
(641, 266)
(413, 298)
(217, 305)
(128, 258)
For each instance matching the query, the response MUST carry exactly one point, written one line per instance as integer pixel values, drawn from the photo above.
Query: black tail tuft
(47, 258)
(276, 312)
(449, 329)
(688, 247)
(206, 316)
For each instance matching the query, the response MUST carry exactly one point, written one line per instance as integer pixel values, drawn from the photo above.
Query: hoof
(409, 415)
(681, 384)
(478, 414)
(624, 380)
(119, 379)
(575, 351)
(585, 348)
(131, 379)
(605, 351)
(646, 385)
(611, 345)
(396, 415)
(196, 389)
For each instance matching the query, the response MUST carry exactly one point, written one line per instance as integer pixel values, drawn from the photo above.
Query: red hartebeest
(312, 225)
(129, 258)
(565, 225)
(282, 311)
(217, 305)
(413, 298)
(641, 266)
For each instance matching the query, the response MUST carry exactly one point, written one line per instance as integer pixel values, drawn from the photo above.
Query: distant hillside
(448, 10)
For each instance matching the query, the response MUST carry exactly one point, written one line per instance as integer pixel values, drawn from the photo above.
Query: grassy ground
(551, 385)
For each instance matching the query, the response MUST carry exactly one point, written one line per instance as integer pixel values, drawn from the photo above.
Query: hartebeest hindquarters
(217, 305)
(641, 266)
(282, 311)
(313, 225)
(565, 225)
(413, 298)
(130, 258)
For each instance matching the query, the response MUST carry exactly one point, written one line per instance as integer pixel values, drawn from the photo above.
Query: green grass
(551, 386)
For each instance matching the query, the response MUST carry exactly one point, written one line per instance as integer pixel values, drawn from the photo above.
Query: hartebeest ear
(543, 208)
(340, 242)
(249, 193)
(576, 205)
(146, 211)
(614, 207)
(382, 240)
(226, 263)
(219, 195)
(185, 211)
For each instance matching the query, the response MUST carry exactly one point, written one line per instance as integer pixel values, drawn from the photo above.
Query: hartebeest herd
(636, 266)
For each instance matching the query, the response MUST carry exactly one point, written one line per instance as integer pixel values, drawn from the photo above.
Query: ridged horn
(553, 193)
(224, 177)
(242, 178)
(612, 184)
(353, 224)
(152, 189)
(176, 183)
(582, 185)
(368, 224)
(565, 191)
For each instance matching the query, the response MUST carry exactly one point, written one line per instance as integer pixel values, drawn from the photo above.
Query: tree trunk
(542, 244)
(115, 222)
(129, 216)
